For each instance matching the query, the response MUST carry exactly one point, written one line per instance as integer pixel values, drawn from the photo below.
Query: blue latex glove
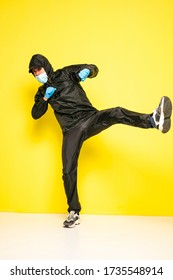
(83, 74)
(49, 92)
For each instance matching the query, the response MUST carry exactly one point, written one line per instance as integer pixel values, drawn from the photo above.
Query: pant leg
(73, 140)
(72, 143)
(118, 115)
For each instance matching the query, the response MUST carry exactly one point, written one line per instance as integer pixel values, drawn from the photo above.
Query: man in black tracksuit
(79, 120)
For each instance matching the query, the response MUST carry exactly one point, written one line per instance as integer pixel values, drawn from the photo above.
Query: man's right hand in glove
(49, 92)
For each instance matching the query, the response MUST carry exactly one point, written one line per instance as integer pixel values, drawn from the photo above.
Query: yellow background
(123, 170)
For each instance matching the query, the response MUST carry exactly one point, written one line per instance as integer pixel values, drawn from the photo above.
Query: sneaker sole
(77, 222)
(165, 114)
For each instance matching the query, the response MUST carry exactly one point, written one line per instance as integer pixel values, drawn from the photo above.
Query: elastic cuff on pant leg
(76, 211)
(152, 121)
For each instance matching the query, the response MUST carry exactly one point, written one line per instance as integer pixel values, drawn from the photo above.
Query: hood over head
(38, 61)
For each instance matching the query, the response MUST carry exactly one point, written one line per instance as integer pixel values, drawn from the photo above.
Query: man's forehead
(36, 68)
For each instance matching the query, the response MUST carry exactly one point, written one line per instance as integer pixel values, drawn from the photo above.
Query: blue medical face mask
(42, 78)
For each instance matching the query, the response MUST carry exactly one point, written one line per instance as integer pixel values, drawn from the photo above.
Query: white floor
(42, 237)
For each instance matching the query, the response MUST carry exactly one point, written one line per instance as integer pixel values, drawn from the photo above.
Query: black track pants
(74, 138)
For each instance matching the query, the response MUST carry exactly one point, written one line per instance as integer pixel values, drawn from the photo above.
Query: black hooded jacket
(69, 102)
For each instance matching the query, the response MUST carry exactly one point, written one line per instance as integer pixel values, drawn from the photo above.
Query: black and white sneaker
(162, 115)
(72, 220)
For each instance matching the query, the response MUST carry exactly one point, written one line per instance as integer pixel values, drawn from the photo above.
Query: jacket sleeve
(40, 106)
(74, 70)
